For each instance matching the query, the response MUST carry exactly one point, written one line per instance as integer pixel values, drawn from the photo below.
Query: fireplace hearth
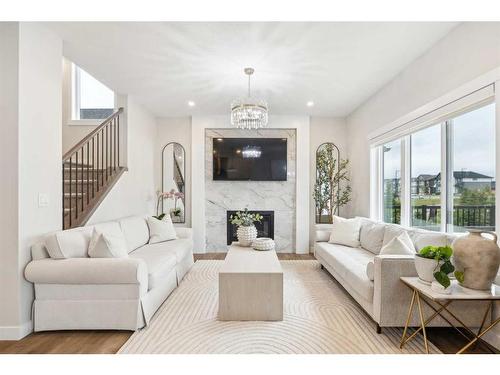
(264, 229)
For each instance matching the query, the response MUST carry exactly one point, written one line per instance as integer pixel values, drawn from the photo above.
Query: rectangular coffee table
(250, 285)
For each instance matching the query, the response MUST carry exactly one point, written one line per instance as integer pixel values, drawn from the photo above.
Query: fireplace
(264, 229)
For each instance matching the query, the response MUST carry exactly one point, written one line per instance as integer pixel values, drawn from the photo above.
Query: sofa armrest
(93, 271)
(391, 296)
(183, 232)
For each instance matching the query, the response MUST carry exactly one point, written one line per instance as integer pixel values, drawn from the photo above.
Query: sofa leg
(379, 329)
(321, 266)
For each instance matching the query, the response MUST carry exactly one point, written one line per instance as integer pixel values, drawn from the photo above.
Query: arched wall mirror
(326, 191)
(173, 181)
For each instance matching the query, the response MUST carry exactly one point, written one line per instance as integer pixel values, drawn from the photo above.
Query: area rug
(319, 317)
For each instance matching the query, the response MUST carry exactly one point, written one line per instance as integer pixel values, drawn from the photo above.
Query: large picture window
(442, 177)
(392, 182)
(425, 184)
(92, 100)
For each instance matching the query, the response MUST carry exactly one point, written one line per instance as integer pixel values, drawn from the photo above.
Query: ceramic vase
(246, 235)
(478, 258)
(426, 268)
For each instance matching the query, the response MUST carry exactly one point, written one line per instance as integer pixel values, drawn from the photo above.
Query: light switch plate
(43, 200)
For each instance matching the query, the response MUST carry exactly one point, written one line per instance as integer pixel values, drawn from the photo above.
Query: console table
(250, 285)
(424, 293)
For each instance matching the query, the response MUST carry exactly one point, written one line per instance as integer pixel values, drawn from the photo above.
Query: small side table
(424, 293)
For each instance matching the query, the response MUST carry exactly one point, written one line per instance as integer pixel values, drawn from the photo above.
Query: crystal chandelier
(249, 113)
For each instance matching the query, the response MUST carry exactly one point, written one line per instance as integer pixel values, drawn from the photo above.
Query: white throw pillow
(345, 231)
(400, 245)
(72, 243)
(161, 230)
(107, 245)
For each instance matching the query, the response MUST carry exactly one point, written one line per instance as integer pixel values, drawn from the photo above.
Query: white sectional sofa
(78, 292)
(384, 298)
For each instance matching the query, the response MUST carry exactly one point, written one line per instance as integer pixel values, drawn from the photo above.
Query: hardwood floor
(108, 342)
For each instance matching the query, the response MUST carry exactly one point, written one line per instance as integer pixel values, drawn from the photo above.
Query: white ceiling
(337, 65)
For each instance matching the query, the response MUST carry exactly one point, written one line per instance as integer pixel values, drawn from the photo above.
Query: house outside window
(450, 185)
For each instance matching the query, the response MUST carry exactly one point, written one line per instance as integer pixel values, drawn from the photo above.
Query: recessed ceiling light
(310, 103)
(191, 103)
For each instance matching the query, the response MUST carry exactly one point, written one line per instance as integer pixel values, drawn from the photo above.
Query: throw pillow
(345, 231)
(371, 236)
(106, 245)
(161, 230)
(400, 245)
(72, 243)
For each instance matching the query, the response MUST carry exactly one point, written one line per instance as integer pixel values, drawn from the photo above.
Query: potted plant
(246, 232)
(434, 263)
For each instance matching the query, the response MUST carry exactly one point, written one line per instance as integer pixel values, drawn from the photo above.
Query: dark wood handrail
(79, 145)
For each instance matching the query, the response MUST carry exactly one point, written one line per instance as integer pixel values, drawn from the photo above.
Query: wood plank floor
(108, 342)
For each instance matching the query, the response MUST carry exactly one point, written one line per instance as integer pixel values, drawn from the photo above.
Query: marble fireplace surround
(209, 225)
(277, 196)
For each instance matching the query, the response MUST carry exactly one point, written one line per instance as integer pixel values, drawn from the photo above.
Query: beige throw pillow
(161, 230)
(107, 245)
(400, 245)
(345, 231)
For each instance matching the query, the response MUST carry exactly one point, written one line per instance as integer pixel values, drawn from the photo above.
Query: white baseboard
(14, 333)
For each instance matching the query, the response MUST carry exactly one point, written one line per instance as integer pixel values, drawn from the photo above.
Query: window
(392, 182)
(91, 100)
(472, 170)
(450, 185)
(425, 183)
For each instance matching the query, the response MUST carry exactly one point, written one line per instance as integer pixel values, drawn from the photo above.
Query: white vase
(246, 235)
(426, 268)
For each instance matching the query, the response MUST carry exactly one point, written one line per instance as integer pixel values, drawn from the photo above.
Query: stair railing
(90, 163)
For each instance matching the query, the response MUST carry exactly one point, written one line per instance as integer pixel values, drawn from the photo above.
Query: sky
(473, 146)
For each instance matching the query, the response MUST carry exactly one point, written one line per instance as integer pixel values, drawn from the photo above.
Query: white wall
(30, 99)
(71, 134)
(199, 124)
(323, 129)
(471, 50)
(468, 51)
(134, 193)
(175, 129)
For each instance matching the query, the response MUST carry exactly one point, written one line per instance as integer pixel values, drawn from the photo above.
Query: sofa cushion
(136, 231)
(161, 230)
(391, 231)
(160, 263)
(71, 243)
(422, 239)
(371, 235)
(180, 248)
(345, 231)
(322, 232)
(107, 245)
(350, 264)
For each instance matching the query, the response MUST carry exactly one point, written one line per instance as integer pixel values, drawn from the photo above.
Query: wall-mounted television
(249, 159)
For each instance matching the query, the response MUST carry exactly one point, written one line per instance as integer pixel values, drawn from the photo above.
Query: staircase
(90, 169)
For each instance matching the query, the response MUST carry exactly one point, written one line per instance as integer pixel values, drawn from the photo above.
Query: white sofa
(386, 299)
(79, 292)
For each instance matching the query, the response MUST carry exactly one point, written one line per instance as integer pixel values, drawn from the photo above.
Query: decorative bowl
(263, 244)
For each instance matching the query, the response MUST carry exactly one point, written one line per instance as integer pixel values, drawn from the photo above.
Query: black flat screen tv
(249, 159)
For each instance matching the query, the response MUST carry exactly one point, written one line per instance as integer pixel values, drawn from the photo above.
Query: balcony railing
(429, 216)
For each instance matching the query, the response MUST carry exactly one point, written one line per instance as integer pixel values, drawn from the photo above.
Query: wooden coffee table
(250, 285)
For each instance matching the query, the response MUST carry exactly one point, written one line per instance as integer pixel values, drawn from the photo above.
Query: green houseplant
(331, 190)
(434, 262)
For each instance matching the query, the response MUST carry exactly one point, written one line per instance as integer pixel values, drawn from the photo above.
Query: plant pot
(426, 268)
(246, 235)
(478, 258)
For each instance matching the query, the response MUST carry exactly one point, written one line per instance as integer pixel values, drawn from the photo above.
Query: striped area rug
(319, 317)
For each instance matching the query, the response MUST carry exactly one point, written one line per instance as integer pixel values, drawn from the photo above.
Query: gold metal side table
(424, 293)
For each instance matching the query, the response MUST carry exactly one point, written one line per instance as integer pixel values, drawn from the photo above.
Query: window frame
(76, 102)
(446, 198)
